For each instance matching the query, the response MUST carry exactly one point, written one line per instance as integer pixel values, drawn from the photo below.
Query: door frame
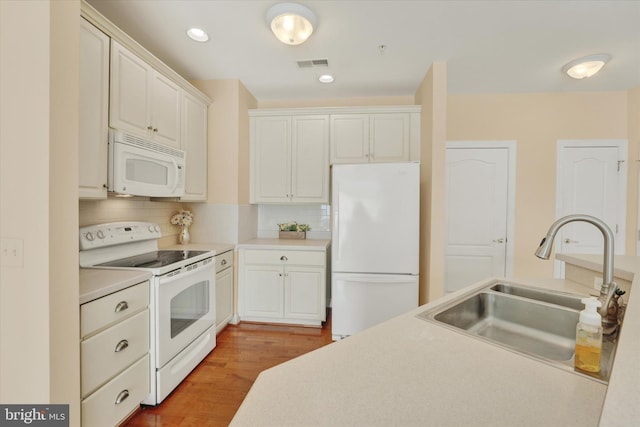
(622, 146)
(510, 145)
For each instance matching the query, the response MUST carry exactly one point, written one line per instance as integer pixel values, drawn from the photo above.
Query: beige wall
(228, 135)
(536, 122)
(633, 131)
(39, 352)
(339, 102)
(432, 97)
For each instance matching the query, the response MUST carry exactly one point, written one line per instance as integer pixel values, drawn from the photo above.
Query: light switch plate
(11, 252)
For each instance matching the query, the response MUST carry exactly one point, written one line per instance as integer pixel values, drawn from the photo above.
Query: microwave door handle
(175, 182)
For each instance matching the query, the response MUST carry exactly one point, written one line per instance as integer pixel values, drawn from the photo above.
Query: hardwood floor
(213, 392)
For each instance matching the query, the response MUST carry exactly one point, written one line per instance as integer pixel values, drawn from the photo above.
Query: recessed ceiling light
(326, 78)
(587, 66)
(197, 34)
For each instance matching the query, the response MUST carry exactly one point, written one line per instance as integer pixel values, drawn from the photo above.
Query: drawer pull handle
(283, 258)
(122, 396)
(223, 262)
(122, 306)
(121, 346)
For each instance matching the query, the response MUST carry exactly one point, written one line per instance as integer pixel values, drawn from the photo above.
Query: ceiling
(500, 46)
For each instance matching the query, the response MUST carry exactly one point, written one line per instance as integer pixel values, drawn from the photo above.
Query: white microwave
(140, 167)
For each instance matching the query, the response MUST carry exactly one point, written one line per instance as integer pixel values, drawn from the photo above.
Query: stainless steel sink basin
(536, 322)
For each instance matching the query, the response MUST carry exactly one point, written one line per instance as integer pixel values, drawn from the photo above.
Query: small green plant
(293, 226)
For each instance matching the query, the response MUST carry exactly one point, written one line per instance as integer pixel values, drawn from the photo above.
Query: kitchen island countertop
(409, 372)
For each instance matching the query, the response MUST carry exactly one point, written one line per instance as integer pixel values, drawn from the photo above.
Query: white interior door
(591, 180)
(477, 214)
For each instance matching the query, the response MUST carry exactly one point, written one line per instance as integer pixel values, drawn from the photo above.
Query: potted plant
(293, 230)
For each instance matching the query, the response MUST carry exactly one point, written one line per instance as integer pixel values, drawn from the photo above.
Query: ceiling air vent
(313, 63)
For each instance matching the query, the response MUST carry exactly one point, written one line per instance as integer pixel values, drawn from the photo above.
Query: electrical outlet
(11, 252)
(597, 283)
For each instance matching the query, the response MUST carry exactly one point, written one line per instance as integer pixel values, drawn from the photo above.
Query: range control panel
(116, 233)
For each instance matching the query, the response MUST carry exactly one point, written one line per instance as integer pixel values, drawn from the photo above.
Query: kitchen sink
(535, 322)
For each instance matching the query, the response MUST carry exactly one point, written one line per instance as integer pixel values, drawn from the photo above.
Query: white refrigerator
(374, 245)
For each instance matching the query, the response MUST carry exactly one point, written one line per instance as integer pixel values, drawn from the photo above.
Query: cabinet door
(271, 160)
(304, 293)
(166, 98)
(224, 298)
(263, 291)
(130, 92)
(194, 142)
(349, 138)
(93, 114)
(310, 159)
(389, 137)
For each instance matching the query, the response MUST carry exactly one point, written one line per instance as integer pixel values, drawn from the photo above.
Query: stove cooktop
(153, 259)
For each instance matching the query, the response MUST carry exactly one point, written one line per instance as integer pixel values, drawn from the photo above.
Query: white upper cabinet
(194, 142)
(93, 114)
(369, 138)
(143, 101)
(289, 159)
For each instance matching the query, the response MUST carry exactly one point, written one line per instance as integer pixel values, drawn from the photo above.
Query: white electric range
(182, 302)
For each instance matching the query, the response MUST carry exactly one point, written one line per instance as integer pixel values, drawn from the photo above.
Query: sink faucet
(608, 309)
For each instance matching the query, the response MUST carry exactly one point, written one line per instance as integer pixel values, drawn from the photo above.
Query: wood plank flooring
(213, 392)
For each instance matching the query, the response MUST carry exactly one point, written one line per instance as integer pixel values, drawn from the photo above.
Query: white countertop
(407, 371)
(96, 283)
(286, 244)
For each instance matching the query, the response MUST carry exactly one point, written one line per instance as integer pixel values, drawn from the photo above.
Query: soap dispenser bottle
(589, 337)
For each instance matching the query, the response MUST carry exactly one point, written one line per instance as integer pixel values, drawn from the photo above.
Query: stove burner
(152, 259)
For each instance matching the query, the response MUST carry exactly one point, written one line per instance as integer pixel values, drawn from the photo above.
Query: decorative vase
(184, 236)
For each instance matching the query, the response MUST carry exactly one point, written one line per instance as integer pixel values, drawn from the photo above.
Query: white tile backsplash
(224, 223)
(317, 216)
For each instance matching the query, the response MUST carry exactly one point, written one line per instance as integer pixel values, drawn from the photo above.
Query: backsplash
(133, 209)
(317, 216)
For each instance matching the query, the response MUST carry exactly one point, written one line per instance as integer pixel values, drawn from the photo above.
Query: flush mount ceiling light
(587, 66)
(197, 34)
(292, 23)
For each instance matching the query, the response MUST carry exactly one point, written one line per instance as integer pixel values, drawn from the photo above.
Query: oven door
(185, 308)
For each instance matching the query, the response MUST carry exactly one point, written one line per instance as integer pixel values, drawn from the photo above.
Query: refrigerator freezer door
(360, 301)
(375, 218)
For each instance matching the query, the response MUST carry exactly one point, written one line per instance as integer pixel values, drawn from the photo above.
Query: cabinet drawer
(289, 257)
(102, 407)
(106, 354)
(98, 314)
(224, 261)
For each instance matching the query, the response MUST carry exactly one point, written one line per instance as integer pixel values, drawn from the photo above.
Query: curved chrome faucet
(608, 288)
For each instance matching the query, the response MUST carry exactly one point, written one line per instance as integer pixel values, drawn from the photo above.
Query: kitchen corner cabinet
(114, 355)
(224, 289)
(194, 142)
(282, 286)
(143, 101)
(289, 156)
(93, 113)
(371, 138)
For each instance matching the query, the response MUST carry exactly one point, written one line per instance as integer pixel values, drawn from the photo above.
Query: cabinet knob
(155, 130)
(223, 262)
(121, 346)
(149, 127)
(122, 396)
(284, 258)
(122, 306)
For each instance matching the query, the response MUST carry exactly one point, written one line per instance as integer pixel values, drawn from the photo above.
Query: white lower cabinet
(114, 355)
(278, 286)
(224, 289)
